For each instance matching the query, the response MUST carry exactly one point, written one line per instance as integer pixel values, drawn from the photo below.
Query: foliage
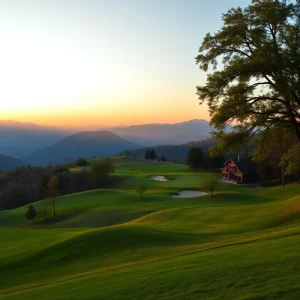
(31, 213)
(150, 154)
(258, 84)
(210, 184)
(272, 144)
(195, 158)
(163, 158)
(140, 189)
(81, 162)
(213, 162)
(147, 154)
(44, 212)
(175, 153)
(29, 184)
(291, 160)
(101, 171)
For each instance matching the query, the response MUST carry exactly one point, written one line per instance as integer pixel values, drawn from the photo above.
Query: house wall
(230, 168)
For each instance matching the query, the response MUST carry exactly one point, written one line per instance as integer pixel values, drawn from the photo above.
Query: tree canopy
(101, 171)
(253, 65)
(31, 213)
(140, 189)
(195, 158)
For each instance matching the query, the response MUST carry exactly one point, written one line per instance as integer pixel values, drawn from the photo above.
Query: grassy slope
(229, 247)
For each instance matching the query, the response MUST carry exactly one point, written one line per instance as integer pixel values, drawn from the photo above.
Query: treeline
(151, 154)
(277, 155)
(199, 160)
(28, 184)
(172, 153)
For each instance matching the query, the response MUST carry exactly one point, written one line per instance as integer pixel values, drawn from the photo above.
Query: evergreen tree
(152, 155)
(147, 154)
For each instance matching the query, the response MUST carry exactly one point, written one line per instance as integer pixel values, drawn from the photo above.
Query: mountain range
(40, 145)
(21, 139)
(8, 162)
(83, 144)
(172, 134)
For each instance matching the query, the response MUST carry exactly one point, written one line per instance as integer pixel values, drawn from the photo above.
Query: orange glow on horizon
(110, 116)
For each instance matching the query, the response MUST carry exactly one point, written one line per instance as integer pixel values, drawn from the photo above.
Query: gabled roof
(244, 164)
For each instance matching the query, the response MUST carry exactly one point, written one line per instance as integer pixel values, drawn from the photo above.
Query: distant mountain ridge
(18, 139)
(83, 144)
(8, 162)
(172, 134)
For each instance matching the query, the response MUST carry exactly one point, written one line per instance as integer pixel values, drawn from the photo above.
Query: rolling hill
(229, 246)
(83, 144)
(8, 162)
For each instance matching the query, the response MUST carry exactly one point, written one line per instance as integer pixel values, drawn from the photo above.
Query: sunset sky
(84, 62)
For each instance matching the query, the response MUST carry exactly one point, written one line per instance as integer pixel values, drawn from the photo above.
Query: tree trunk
(282, 177)
(53, 204)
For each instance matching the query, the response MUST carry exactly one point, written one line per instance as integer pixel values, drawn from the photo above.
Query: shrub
(31, 213)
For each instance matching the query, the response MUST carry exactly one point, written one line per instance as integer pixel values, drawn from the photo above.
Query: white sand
(159, 178)
(189, 194)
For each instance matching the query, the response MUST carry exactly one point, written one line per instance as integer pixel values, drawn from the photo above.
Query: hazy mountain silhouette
(19, 139)
(8, 162)
(83, 144)
(173, 134)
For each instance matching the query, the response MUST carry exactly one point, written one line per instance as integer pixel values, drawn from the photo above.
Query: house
(239, 170)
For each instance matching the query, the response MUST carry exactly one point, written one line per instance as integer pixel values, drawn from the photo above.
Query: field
(243, 243)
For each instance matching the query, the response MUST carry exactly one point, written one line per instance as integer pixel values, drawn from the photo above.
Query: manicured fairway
(107, 244)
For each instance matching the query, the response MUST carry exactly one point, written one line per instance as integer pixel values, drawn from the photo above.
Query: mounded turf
(107, 244)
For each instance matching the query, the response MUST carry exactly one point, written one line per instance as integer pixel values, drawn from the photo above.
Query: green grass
(107, 244)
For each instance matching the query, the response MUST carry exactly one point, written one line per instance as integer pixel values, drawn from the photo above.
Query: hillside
(8, 162)
(173, 134)
(175, 152)
(83, 144)
(20, 139)
(159, 247)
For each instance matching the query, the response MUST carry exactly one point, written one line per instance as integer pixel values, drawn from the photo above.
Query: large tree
(101, 171)
(195, 159)
(253, 65)
(271, 147)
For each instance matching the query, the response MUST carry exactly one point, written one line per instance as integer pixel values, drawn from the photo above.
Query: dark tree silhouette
(195, 159)
(257, 84)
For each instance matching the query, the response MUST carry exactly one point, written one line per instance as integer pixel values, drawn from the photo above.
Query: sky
(104, 62)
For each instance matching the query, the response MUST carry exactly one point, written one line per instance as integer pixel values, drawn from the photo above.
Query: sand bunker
(159, 178)
(189, 194)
